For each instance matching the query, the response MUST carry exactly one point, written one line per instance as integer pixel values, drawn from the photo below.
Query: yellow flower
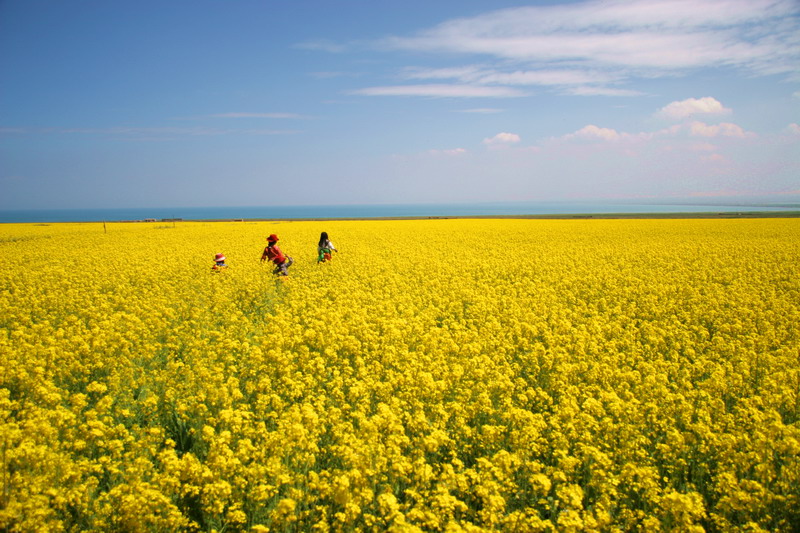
(519, 375)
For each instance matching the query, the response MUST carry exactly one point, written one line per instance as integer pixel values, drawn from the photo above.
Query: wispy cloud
(595, 47)
(481, 110)
(571, 81)
(323, 45)
(487, 75)
(326, 75)
(442, 91)
(602, 91)
(464, 74)
(639, 33)
(258, 115)
(451, 153)
(149, 133)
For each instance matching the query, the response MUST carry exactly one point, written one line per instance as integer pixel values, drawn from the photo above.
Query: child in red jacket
(219, 263)
(274, 254)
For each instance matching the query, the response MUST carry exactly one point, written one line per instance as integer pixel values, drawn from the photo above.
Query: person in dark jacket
(324, 248)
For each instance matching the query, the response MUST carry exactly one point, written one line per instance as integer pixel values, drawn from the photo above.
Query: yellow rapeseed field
(437, 375)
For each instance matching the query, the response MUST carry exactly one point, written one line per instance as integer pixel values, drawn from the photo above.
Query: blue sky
(209, 103)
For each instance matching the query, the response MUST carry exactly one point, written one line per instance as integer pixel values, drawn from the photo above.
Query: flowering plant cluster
(437, 375)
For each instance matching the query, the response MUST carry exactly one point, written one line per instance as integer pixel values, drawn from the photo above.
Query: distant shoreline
(497, 210)
(560, 216)
(576, 216)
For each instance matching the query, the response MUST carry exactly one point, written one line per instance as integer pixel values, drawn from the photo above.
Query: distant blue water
(368, 211)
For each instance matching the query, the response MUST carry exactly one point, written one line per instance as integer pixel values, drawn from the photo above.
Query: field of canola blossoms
(438, 375)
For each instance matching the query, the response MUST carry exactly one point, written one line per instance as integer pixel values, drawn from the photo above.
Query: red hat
(219, 257)
(272, 238)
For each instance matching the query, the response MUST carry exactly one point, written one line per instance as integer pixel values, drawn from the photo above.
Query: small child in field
(324, 248)
(274, 254)
(219, 263)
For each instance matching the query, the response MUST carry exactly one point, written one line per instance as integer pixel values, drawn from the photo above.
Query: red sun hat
(219, 257)
(272, 238)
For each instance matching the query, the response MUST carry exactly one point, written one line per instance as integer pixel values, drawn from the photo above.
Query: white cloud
(592, 47)
(435, 90)
(724, 129)
(692, 106)
(502, 138)
(594, 132)
(794, 128)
